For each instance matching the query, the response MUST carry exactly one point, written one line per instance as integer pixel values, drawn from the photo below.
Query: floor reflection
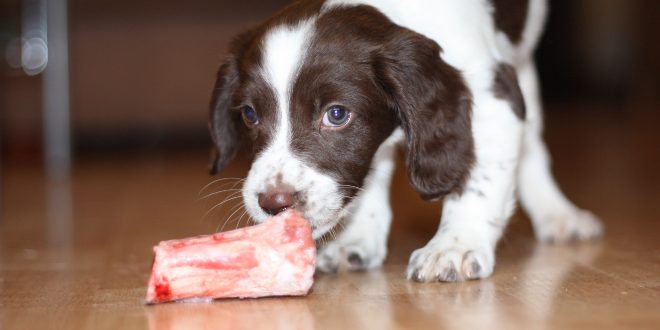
(270, 313)
(59, 214)
(526, 298)
(546, 271)
(361, 300)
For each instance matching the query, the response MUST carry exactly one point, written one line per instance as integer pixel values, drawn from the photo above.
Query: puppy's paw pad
(451, 264)
(574, 225)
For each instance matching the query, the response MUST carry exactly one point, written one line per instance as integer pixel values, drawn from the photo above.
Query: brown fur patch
(505, 87)
(510, 17)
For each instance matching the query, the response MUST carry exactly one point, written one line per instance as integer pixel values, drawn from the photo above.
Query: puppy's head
(316, 91)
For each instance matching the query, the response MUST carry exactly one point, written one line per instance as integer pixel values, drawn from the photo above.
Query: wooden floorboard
(77, 254)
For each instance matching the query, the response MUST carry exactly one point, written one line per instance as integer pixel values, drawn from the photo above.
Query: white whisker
(221, 228)
(241, 205)
(220, 204)
(220, 192)
(238, 223)
(350, 186)
(218, 180)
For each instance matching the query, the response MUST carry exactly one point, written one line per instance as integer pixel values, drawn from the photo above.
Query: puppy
(325, 91)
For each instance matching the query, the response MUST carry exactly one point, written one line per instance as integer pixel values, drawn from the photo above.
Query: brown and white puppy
(325, 91)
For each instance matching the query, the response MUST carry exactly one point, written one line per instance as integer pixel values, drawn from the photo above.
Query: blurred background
(133, 78)
(140, 73)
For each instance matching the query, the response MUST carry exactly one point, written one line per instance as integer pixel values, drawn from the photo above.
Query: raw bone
(274, 258)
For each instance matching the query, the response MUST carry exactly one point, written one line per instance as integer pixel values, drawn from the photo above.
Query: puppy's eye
(336, 116)
(249, 116)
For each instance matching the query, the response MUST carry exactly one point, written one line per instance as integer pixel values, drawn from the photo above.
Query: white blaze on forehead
(284, 50)
(283, 54)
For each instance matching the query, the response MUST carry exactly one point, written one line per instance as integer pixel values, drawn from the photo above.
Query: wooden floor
(77, 254)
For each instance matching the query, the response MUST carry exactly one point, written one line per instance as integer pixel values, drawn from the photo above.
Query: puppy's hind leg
(363, 242)
(554, 217)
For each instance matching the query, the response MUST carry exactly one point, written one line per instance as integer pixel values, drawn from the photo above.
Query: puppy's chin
(326, 226)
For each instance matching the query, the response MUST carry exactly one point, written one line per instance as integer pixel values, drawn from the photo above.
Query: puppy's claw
(472, 268)
(355, 261)
(449, 274)
(414, 276)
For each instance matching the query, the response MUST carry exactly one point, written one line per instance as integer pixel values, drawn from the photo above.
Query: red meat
(274, 258)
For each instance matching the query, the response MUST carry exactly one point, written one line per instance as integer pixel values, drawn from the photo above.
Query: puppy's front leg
(473, 221)
(363, 243)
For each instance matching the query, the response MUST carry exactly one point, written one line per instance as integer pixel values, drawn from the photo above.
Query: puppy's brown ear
(434, 107)
(224, 123)
(226, 126)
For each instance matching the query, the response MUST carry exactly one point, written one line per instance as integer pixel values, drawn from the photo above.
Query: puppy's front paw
(449, 263)
(337, 256)
(572, 225)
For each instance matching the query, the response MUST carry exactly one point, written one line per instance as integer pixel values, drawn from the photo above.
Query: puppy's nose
(275, 201)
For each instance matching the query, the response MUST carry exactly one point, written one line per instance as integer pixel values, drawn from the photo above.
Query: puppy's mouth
(324, 212)
(330, 224)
